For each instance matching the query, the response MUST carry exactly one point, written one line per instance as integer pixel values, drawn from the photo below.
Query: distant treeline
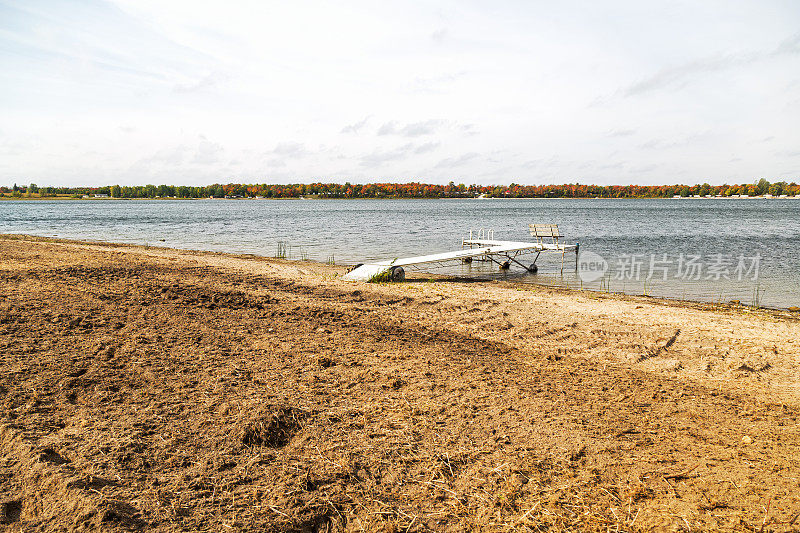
(410, 190)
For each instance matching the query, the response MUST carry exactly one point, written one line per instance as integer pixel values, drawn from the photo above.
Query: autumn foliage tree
(417, 189)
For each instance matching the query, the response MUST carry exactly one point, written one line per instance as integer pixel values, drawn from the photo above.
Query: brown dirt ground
(167, 390)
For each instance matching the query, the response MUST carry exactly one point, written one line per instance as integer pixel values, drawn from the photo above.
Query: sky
(488, 92)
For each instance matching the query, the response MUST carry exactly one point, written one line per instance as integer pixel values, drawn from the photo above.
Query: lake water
(716, 250)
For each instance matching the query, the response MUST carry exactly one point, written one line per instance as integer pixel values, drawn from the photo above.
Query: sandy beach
(156, 389)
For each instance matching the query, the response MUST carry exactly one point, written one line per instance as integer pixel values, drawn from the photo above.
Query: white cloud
(459, 161)
(356, 127)
(205, 82)
(121, 90)
(416, 129)
(207, 153)
(290, 149)
(426, 147)
(679, 75)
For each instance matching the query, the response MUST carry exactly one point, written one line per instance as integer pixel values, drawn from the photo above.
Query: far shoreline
(322, 198)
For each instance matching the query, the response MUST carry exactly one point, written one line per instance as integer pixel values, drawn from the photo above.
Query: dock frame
(480, 245)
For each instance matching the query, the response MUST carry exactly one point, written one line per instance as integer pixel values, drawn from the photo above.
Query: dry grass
(151, 392)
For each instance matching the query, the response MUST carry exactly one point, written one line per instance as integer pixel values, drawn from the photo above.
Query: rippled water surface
(709, 243)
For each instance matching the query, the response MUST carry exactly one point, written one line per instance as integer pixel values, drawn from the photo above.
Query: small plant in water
(281, 250)
(604, 284)
(719, 298)
(757, 295)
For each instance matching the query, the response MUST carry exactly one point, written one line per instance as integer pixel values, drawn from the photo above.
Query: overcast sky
(613, 92)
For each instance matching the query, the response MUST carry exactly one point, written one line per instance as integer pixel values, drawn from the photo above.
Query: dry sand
(166, 390)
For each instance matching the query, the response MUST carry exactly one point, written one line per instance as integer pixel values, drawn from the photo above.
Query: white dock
(501, 252)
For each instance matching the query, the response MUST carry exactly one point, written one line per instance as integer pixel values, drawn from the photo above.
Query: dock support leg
(503, 266)
(533, 268)
(577, 248)
(562, 261)
(520, 264)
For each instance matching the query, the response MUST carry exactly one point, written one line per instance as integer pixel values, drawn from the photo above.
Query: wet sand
(158, 389)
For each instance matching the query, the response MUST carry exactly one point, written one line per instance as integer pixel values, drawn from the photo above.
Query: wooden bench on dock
(545, 231)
